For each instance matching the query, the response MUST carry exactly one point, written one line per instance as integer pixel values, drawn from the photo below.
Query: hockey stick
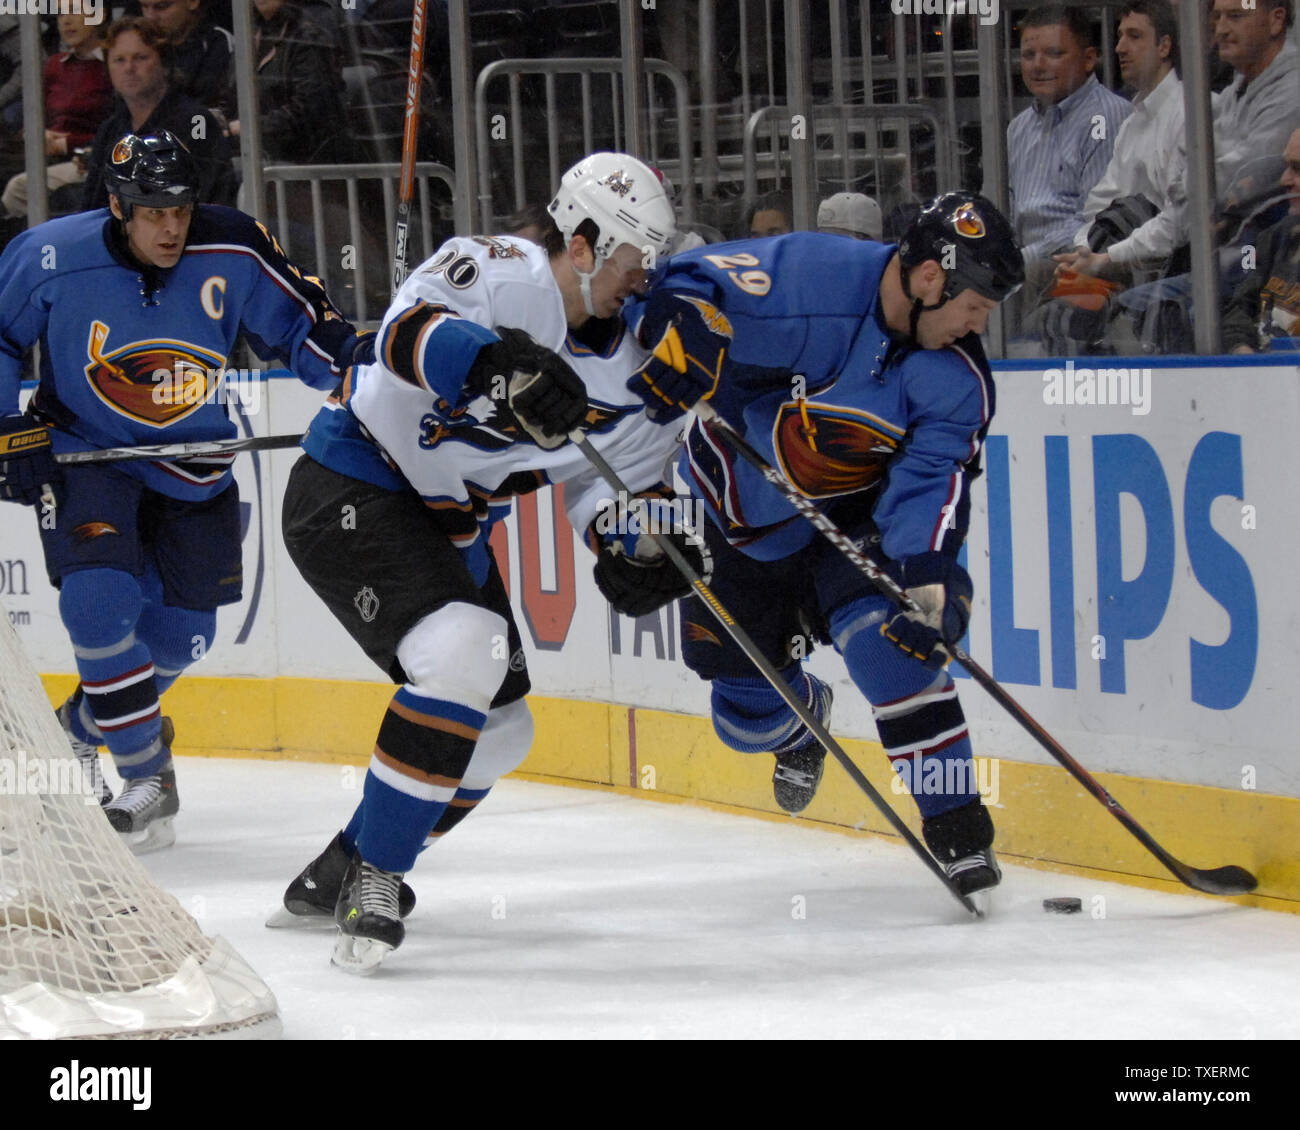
(410, 137)
(1228, 880)
(769, 672)
(179, 450)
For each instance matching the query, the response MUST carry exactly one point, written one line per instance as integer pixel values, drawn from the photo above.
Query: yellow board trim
(1044, 818)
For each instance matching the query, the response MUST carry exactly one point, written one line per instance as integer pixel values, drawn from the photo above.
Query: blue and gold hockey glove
(631, 571)
(690, 337)
(943, 590)
(26, 460)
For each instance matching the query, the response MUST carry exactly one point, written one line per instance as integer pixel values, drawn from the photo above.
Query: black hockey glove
(632, 572)
(26, 460)
(532, 387)
(690, 337)
(943, 590)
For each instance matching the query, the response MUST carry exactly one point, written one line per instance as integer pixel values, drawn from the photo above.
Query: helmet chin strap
(584, 285)
(918, 305)
(584, 281)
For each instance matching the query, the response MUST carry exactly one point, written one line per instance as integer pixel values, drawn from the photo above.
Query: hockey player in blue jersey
(856, 369)
(137, 308)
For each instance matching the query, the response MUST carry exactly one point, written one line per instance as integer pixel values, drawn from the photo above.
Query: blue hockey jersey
(139, 356)
(816, 382)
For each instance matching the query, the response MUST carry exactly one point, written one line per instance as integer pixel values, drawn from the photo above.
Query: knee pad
(100, 607)
(176, 637)
(879, 670)
(460, 653)
(504, 742)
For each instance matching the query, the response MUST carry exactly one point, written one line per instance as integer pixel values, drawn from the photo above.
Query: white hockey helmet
(623, 197)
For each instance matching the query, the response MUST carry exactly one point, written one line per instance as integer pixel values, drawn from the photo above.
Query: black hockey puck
(1063, 905)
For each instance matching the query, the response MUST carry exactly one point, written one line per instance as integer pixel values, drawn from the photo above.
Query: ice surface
(563, 912)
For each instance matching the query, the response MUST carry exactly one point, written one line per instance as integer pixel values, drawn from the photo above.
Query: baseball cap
(850, 213)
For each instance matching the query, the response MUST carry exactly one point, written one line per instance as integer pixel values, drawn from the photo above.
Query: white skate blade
(155, 836)
(359, 956)
(983, 901)
(282, 918)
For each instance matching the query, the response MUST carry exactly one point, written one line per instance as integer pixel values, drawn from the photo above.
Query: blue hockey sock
(100, 608)
(424, 747)
(751, 717)
(918, 716)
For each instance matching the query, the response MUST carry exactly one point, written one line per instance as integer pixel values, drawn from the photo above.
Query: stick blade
(1230, 880)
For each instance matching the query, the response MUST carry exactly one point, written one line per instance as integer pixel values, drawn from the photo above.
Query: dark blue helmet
(153, 170)
(967, 236)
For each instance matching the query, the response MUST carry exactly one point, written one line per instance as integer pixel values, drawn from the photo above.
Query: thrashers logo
(825, 451)
(154, 382)
(967, 222)
(89, 531)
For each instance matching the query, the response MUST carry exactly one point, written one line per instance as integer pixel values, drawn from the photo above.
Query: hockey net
(89, 946)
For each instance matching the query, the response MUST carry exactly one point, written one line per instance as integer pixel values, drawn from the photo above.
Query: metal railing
(585, 69)
(851, 116)
(279, 177)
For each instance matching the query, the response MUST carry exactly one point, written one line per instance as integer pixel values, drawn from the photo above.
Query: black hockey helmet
(153, 170)
(967, 236)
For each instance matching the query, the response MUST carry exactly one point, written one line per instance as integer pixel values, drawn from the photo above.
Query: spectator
(11, 72)
(771, 215)
(1267, 303)
(851, 214)
(299, 85)
(1059, 147)
(77, 96)
(146, 103)
(1139, 206)
(200, 54)
(1256, 114)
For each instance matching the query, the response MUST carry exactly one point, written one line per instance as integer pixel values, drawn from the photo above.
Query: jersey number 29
(757, 283)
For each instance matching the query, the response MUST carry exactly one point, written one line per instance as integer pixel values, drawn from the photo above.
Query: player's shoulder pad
(215, 224)
(55, 247)
(943, 380)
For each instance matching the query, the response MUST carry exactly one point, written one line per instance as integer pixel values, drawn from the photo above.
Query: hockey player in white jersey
(476, 382)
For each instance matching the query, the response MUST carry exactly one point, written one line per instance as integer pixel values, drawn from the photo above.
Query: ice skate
(311, 898)
(368, 918)
(799, 771)
(962, 841)
(797, 775)
(143, 811)
(87, 754)
(976, 872)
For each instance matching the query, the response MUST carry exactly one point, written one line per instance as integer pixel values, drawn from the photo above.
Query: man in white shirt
(1150, 156)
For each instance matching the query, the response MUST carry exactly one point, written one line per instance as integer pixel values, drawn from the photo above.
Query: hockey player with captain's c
(123, 300)
(872, 397)
(481, 369)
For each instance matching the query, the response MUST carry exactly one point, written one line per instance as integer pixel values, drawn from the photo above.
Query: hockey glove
(632, 572)
(26, 460)
(943, 590)
(691, 337)
(532, 386)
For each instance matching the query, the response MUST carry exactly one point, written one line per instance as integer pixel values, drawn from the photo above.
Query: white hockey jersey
(419, 421)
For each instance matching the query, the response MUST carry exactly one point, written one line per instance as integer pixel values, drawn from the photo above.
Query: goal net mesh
(89, 945)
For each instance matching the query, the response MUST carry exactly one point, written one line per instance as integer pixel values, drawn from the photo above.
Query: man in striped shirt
(1059, 147)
